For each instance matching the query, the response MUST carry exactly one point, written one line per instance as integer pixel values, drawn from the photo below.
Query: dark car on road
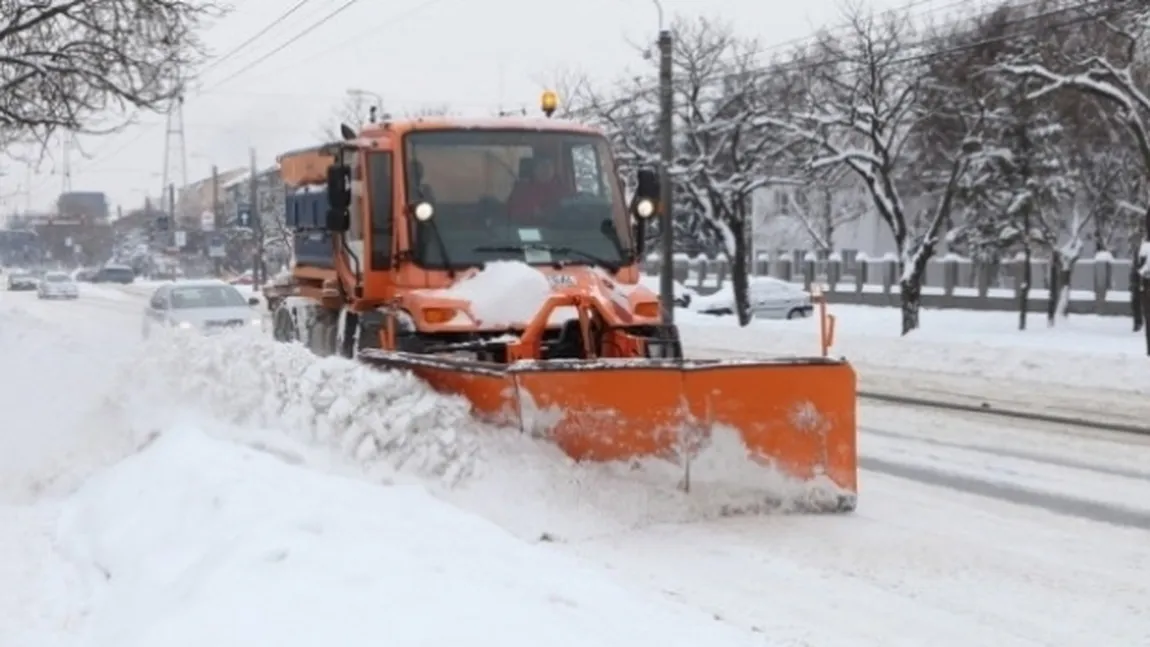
(114, 274)
(21, 281)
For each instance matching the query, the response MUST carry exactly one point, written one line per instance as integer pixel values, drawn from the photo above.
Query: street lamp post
(666, 199)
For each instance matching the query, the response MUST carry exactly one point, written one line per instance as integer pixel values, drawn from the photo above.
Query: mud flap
(796, 416)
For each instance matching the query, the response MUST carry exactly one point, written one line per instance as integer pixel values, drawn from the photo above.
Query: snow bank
(195, 542)
(368, 416)
(334, 414)
(503, 293)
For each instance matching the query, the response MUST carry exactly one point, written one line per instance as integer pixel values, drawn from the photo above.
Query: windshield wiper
(554, 249)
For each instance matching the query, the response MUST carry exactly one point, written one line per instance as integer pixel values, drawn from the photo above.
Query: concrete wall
(1098, 286)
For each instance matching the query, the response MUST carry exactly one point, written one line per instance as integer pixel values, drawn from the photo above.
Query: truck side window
(380, 180)
(354, 236)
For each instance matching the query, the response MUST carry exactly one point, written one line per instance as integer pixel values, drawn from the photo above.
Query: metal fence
(1097, 286)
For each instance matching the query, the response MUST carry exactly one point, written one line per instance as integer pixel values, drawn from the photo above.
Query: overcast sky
(474, 56)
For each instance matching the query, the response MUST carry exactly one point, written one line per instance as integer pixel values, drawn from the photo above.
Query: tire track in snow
(1058, 504)
(1006, 452)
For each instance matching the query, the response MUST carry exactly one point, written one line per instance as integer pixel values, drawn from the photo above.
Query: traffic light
(163, 223)
(244, 217)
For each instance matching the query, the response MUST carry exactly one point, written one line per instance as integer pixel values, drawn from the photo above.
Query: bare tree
(356, 110)
(576, 96)
(67, 64)
(729, 147)
(353, 110)
(827, 201)
(862, 112)
(1112, 77)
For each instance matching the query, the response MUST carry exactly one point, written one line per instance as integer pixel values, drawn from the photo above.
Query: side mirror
(254, 301)
(338, 198)
(648, 185)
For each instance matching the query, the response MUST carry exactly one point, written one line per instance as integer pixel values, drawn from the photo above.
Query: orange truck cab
(393, 216)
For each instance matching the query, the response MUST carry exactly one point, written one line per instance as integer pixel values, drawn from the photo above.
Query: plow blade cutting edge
(796, 416)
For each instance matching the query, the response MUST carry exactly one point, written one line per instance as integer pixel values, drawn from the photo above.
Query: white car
(57, 285)
(769, 298)
(683, 295)
(208, 306)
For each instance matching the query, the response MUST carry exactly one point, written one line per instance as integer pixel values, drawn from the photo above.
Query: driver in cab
(537, 192)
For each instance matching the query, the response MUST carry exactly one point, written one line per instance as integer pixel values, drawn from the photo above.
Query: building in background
(83, 206)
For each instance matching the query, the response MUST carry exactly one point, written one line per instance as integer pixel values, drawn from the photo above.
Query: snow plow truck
(498, 259)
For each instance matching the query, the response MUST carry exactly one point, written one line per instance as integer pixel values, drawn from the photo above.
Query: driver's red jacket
(530, 198)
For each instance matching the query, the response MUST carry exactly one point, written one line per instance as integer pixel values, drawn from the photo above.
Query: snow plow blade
(796, 416)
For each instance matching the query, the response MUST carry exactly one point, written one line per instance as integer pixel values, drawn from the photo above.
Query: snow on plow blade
(796, 416)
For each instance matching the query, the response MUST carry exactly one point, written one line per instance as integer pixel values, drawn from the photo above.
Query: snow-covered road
(968, 531)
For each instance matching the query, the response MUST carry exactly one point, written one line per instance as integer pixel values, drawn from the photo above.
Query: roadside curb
(987, 409)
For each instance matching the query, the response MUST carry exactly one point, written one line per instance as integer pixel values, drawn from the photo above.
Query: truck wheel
(284, 326)
(348, 326)
(323, 336)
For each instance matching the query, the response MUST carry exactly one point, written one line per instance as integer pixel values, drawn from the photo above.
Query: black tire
(347, 345)
(795, 313)
(284, 326)
(323, 338)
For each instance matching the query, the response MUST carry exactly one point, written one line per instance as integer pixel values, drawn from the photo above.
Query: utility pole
(170, 235)
(217, 225)
(66, 163)
(666, 217)
(216, 197)
(175, 151)
(256, 222)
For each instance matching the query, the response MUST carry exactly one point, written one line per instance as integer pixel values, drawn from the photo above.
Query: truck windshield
(536, 196)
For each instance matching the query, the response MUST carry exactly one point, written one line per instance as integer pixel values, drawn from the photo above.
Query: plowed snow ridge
(368, 416)
(386, 424)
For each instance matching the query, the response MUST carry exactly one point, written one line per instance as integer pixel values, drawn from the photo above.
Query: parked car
(84, 274)
(683, 295)
(21, 280)
(209, 306)
(114, 274)
(769, 298)
(57, 285)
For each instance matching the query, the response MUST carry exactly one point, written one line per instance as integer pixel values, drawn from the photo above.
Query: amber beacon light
(549, 102)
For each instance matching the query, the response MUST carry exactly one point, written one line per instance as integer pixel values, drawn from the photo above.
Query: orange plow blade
(795, 416)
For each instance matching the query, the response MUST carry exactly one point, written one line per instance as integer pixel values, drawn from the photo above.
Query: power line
(396, 18)
(796, 43)
(254, 37)
(216, 62)
(319, 23)
(640, 93)
(374, 31)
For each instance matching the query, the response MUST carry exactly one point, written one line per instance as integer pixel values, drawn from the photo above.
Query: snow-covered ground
(1082, 365)
(234, 491)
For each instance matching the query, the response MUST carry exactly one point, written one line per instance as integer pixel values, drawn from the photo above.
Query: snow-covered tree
(862, 111)
(828, 199)
(70, 66)
(629, 114)
(1113, 74)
